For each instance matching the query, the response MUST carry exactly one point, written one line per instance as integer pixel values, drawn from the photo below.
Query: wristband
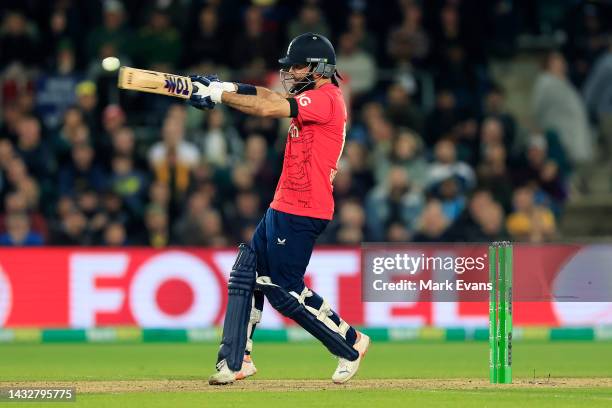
(293, 107)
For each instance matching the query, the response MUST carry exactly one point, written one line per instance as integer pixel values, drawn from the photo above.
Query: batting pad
(317, 322)
(240, 297)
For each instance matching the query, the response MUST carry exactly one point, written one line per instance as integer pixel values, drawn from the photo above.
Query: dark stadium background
(449, 139)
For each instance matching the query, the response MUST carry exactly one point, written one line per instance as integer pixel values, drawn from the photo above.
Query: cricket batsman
(275, 261)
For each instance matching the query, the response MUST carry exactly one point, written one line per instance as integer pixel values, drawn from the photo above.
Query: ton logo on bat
(176, 85)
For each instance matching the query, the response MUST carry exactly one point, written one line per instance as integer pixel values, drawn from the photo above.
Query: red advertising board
(75, 287)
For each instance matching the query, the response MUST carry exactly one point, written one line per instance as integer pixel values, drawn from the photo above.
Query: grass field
(427, 374)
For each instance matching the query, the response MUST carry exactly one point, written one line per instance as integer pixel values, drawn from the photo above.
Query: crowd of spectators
(84, 164)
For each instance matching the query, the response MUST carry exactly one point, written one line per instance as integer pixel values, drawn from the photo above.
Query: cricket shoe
(223, 375)
(248, 368)
(347, 369)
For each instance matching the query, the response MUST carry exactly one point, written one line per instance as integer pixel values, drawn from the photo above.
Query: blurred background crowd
(432, 152)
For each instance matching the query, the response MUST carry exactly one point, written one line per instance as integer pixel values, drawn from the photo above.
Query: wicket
(500, 312)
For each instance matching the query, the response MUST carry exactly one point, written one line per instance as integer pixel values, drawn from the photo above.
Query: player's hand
(201, 97)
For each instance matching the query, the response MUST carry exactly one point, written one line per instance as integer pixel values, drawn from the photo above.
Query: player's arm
(258, 101)
(264, 103)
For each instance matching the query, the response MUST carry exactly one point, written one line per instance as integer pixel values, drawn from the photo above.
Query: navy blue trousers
(283, 244)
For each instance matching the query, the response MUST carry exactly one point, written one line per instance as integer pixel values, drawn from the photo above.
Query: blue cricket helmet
(311, 48)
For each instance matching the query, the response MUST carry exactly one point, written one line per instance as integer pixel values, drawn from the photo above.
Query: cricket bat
(154, 82)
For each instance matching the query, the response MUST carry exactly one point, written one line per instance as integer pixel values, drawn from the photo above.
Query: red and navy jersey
(314, 145)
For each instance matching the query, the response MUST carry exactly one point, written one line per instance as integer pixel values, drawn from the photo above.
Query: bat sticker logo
(176, 85)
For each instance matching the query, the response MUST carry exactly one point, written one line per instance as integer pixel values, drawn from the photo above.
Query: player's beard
(295, 86)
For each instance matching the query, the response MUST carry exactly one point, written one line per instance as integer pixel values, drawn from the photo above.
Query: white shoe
(223, 375)
(248, 368)
(347, 369)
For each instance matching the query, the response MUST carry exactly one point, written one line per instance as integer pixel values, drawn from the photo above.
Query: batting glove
(208, 90)
(201, 97)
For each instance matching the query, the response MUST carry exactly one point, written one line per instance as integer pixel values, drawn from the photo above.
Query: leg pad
(240, 293)
(314, 321)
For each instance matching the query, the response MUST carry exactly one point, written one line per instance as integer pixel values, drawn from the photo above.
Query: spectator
(114, 235)
(467, 228)
(494, 106)
(448, 33)
(207, 45)
(587, 37)
(491, 223)
(63, 28)
(7, 153)
(530, 221)
(458, 74)
(447, 166)
(397, 232)
(72, 131)
(173, 144)
(254, 46)
(351, 224)
(187, 229)
(18, 232)
(409, 42)
(401, 110)
(356, 158)
(309, 20)
(55, 91)
(451, 195)
(82, 173)
(432, 225)
(558, 106)
(157, 231)
(11, 115)
(370, 112)
(158, 44)
(114, 210)
(262, 165)
(112, 33)
(442, 119)
(159, 194)
(18, 179)
(395, 201)
(358, 66)
(16, 203)
(87, 101)
(212, 228)
(494, 176)
(129, 183)
(31, 148)
(87, 201)
(220, 142)
(492, 133)
(123, 143)
(72, 230)
(357, 27)
(113, 119)
(109, 211)
(406, 152)
(597, 92)
(17, 41)
(541, 171)
(247, 211)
